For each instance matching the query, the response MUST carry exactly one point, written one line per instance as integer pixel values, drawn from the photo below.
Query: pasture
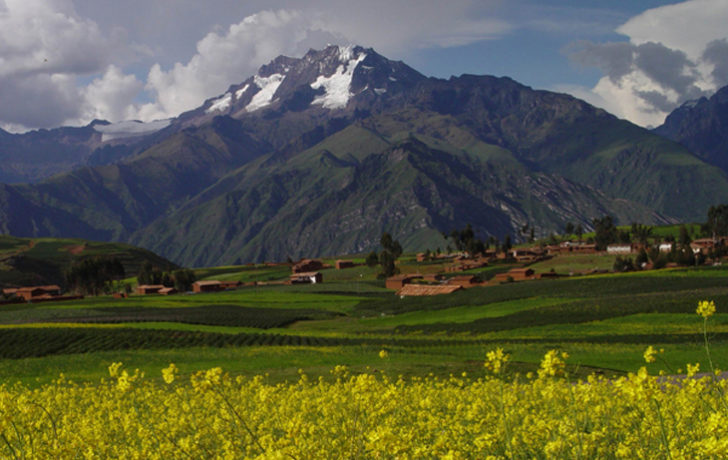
(603, 322)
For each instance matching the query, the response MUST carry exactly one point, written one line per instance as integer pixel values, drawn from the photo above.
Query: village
(425, 274)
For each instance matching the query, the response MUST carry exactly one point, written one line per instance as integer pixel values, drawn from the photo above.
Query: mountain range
(320, 155)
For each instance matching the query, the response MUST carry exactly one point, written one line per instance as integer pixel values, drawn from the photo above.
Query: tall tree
(605, 233)
(717, 224)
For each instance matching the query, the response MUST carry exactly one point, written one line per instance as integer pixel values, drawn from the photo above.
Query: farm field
(603, 322)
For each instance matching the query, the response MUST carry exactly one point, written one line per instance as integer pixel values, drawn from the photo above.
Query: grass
(602, 321)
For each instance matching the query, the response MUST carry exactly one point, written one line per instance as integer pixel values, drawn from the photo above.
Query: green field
(602, 321)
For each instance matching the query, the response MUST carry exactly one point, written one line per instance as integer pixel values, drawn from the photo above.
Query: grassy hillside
(35, 261)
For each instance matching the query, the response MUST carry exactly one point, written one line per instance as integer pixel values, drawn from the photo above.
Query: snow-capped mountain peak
(322, 79)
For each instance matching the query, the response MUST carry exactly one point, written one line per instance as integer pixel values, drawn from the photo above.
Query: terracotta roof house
(145, 289)
(341, 264)
(307, 278)
(37, 292)
(307, 265)
(620, 248)
(516, 274)
(704, 245)
(426, 290)
(398, 281)
(207, 286)
(463, 281)
(230, 284)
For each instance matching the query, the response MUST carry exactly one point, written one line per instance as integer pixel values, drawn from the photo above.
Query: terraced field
(603, 321)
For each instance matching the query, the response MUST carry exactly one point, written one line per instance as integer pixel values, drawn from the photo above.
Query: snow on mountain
(268, 87)
(129, 128)
(221, 104)
(337, 86)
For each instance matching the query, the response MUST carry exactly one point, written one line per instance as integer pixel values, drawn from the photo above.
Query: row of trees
(387, 257)
(95, 275)
(179, 279)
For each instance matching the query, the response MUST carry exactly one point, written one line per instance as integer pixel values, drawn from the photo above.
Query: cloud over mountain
(675, 53)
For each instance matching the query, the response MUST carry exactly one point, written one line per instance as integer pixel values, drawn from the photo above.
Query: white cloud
(226, 58)
(111, 97)
(44, 46)
(675, 53)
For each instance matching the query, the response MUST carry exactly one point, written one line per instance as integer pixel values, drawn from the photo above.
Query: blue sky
(66, 62)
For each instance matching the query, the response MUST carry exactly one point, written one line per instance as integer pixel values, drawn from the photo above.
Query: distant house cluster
(48, 293)
(197, 286)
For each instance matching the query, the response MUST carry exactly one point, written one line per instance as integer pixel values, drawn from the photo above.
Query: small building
(620, 248)
(398, 281)
(146, 289)
(341, 264)
(516, 274)
(37, 292)
(307, 278)
(207, 286)
(420, 257)
(168, 291)
(432, 277)
(426, 290)
(9, 291)
(226, 285)
(465, 281)
(665, 247)
(307, 265)
(705, 245)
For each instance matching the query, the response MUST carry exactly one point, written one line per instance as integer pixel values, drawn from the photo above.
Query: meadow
(604, 322)
(348, 369)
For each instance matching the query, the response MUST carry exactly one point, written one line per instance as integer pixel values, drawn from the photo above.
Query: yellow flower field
(211, 414)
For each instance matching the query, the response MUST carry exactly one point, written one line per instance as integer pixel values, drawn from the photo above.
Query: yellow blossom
(705, 308)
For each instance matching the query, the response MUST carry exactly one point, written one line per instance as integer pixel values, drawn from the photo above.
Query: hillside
(39, 261)
(321, 154)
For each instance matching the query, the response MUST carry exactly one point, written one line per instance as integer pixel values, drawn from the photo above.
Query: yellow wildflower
(705, 308)
(649, 354)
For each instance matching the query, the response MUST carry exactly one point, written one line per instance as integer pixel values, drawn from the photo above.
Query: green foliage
(183, 279)
(95, 275)
(717, 224)
(465, 240)
(605, 233)
(623, 264)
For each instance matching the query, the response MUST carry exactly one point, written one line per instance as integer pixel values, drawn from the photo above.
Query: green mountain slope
(39, 261)
(325, 202)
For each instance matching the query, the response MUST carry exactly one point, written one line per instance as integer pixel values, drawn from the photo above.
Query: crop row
(213, 315)
(574, 312)
(44, 341)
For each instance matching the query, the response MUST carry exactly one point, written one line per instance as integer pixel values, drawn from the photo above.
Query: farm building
(705, 245)
(207, 286)
(620, 249)
(426, 290)
(463, 281)
(516, 274)
(432, 277)
(38, 292)
(168, 291)
(224, 285)
(341, 264)
(528, 255)
(307, 265)
(466, 264)
(665, 247)
(398, 281)
(145, 289)
(307, 278)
